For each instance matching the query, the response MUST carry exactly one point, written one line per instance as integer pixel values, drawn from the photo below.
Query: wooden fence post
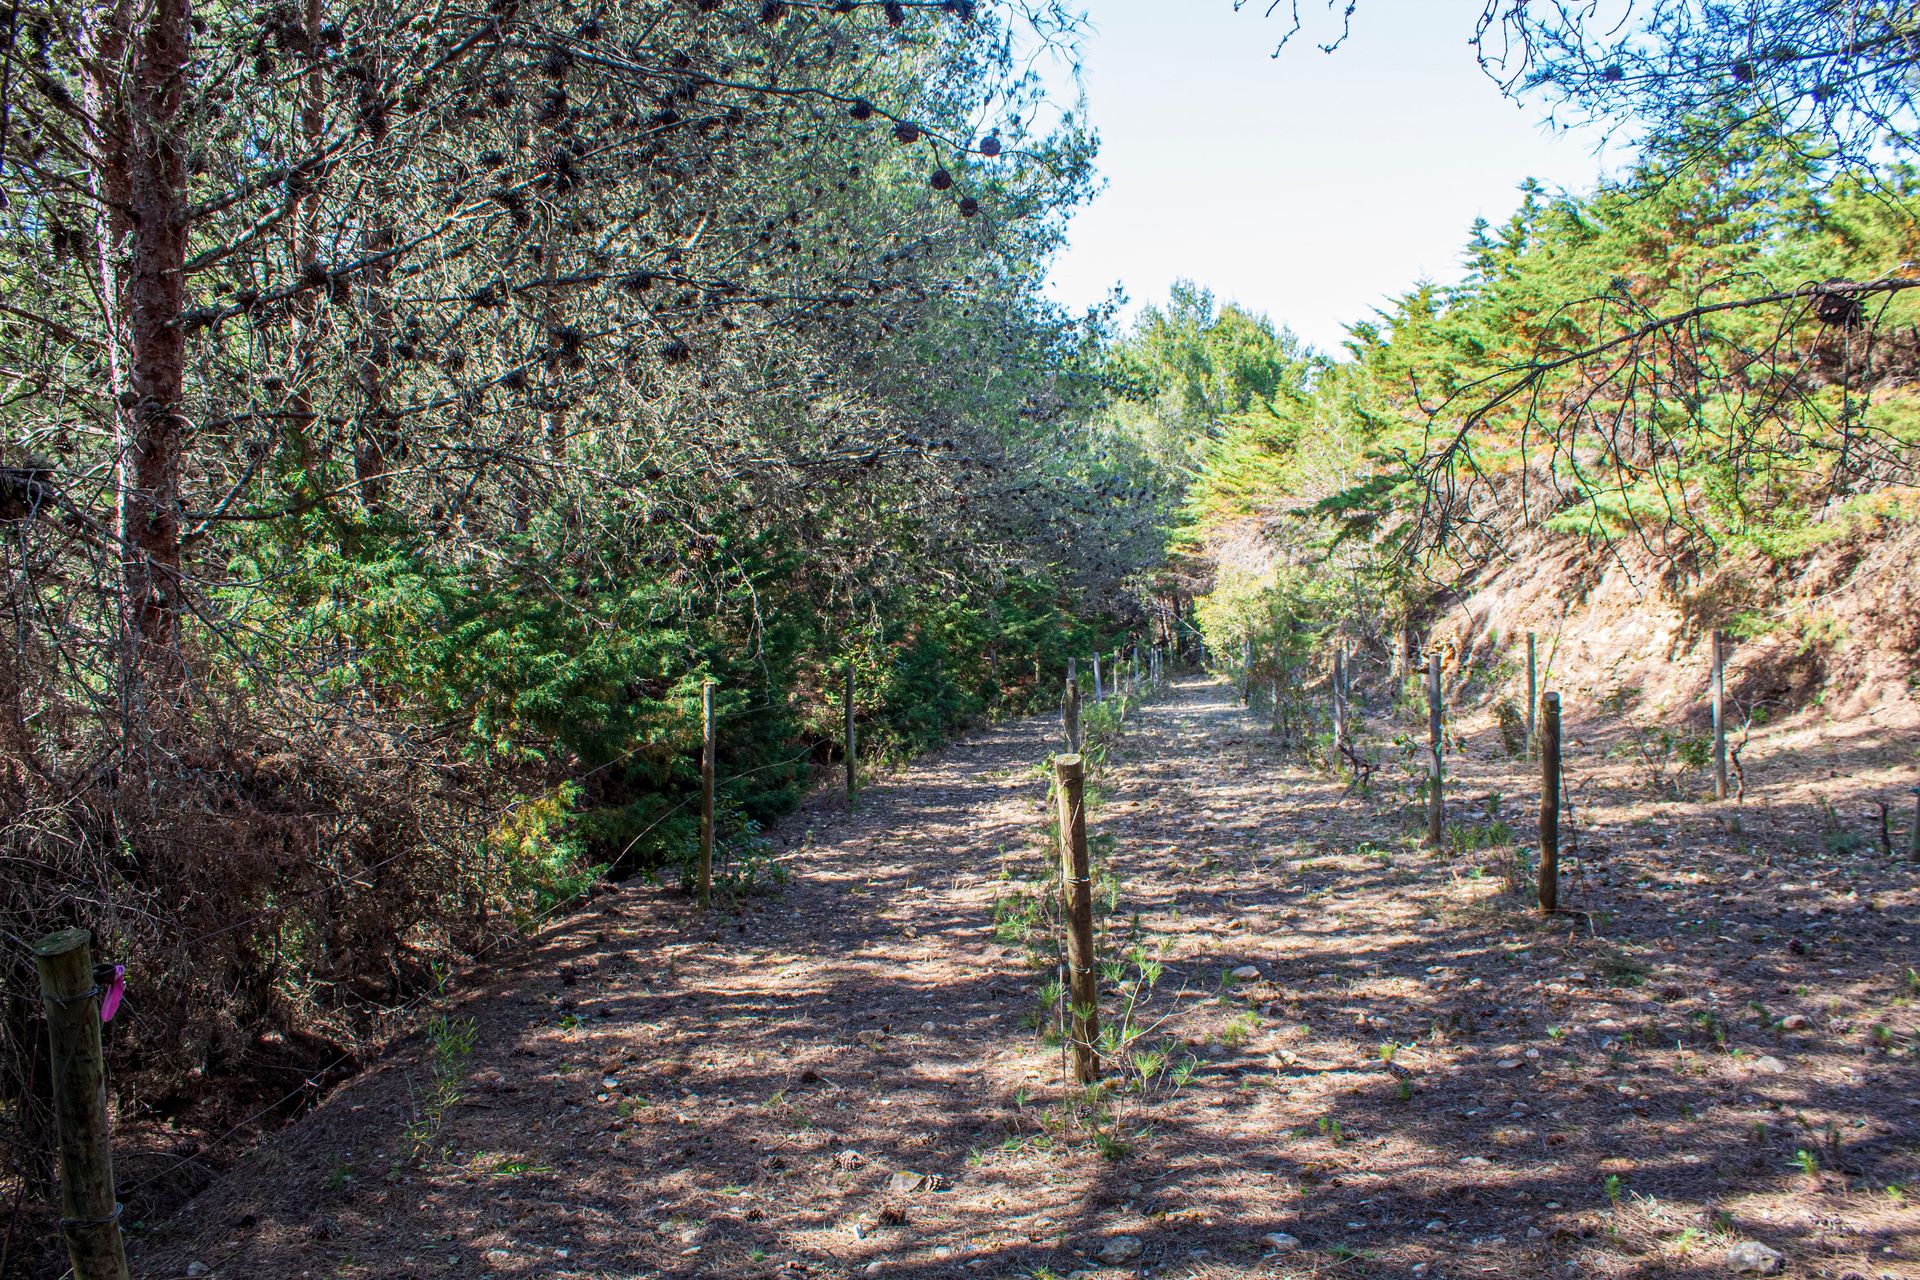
(1549, 804)
(1246, 672)
(1286, 673)
(89, 1213)
(1339, 704)
(1077, 902)
(1436, 802)
(1719, 717)
(1533, 693)
(1099, 695)
(1070, 707)
(707, 751)
(853, 754)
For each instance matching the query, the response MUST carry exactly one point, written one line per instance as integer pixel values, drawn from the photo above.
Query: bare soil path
(1422, 1080)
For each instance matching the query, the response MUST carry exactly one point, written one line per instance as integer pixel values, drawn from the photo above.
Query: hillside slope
(1823, 659)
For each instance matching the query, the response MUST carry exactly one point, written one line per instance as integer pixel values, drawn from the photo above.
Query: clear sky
(1312, 186)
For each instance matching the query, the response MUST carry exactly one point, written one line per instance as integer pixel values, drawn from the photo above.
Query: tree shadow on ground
(654, 1092)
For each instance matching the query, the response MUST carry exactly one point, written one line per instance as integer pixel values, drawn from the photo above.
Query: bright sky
(1312, 186)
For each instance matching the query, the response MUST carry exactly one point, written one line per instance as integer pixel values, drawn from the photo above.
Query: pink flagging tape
(110, 1002)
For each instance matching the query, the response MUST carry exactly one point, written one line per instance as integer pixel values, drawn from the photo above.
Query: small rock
(905, 1182)
(1119, 1249)
(1247, 973)
(1280, 1242)
(1751, 1258)
(873, 1268)
(1436, 1226)
(1509, 1064)
(1475, 1162)
(1770, 1064)
(1795, 1022)
(197, 1268)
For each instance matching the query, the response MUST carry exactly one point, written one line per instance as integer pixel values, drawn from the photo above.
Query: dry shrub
(277, 882)
(1512, 725)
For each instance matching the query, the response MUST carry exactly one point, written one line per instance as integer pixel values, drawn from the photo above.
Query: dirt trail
(844, 1080)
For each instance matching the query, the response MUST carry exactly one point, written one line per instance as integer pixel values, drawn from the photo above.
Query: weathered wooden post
(1246, 672)
(1533, 693)
(1070, 707)
(1099, 695)
(1436, 802)
(1402, 654)
(853, 754)
(707, 750)
(89, 1213)
(1133, 660)
(1719, 717)
(1077, 893)
(1339, 703)
(1549, 804)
